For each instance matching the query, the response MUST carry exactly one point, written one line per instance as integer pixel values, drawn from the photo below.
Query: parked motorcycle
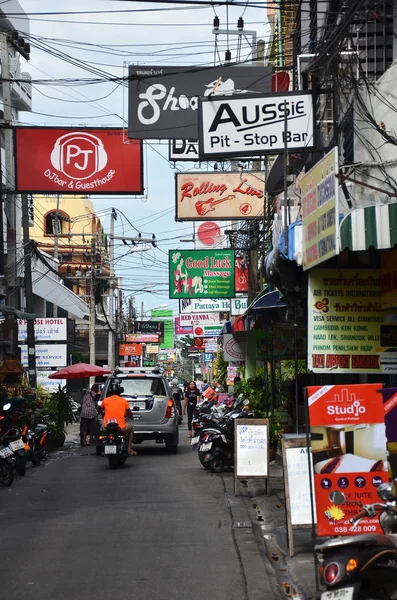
(363, 566)
(6, 467)
(12, 439)
(115, 445)
(216, 445)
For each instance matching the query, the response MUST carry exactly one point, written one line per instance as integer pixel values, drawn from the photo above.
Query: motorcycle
(363, 566)
(6, 467)
(115, 445)
(216, 445)
(12, 439)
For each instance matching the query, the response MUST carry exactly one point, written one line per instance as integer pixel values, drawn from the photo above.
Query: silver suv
(147, 392)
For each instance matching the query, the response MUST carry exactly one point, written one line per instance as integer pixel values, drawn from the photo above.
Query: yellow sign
(345, 317)
(320, 211)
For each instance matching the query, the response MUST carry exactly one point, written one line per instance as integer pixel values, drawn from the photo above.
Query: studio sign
(245, 126)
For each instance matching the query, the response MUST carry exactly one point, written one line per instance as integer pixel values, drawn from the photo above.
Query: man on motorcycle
(116, 407)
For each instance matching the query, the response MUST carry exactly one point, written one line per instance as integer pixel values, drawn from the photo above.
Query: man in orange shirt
(116, 407)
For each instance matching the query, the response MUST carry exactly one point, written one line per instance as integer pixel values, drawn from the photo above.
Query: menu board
(298, 486)
(252, 445)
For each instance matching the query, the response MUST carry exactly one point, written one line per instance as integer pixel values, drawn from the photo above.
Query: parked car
(149, 397)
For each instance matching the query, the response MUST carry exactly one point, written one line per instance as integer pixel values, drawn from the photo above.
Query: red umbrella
(79, 371)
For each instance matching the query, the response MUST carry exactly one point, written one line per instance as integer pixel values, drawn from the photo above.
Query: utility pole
(253, 252)
(111, 321)
(56, 245)
(29, 293)
(91, 337)
(142, 310)
(10, 205)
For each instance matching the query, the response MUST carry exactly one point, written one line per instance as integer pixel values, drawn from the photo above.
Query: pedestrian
(88, 414)
(177, 395)
(192, 396)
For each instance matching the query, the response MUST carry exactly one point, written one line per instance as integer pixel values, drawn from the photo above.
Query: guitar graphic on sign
(205, 206)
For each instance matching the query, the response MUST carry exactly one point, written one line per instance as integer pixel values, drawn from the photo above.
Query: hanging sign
(182, 330)
(232, 195)
(154, 327)
(188, 319)
(130, 349)
(50, 330)
(163, 101)
(183, 150)
(252, 125)
(47, 355)
(348, 442)
(77, 161)
(345, 317)
(201, 273)
(238, 306)
(320, 211)
(210, 235)
(210, 305)
(141, 337)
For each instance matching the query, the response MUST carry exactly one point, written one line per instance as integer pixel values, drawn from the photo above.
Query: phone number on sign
(356, 529)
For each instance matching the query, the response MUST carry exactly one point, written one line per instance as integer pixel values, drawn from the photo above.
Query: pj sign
(252, 125)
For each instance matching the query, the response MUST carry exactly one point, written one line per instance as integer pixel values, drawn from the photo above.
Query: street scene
(198, 299)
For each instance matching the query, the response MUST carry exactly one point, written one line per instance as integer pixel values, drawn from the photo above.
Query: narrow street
(160, 527)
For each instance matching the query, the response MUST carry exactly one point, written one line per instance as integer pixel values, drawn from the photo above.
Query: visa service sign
(75, 161)
(252, 125)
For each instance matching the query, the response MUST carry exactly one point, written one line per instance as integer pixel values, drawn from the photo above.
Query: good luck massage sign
(201, 273)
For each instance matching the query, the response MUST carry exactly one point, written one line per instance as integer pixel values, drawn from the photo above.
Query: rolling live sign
(163, 101)
(73, 161)
(320, 210)
(345, 316)
(255, 124)
(200, 196)
(201, 273)
(348, 442)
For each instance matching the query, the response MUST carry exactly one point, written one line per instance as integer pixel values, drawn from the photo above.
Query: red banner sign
(73, 161)
(348, 444)
(241, 276)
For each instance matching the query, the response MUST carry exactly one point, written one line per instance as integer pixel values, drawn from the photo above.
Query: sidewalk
(296, 575)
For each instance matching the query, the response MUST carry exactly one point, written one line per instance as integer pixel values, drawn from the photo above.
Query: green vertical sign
(168, 317)
(201, 273)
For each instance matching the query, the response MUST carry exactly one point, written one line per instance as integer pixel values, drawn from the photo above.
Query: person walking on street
(192, 396)
(177, 395)
(89, 413)
(199, 385)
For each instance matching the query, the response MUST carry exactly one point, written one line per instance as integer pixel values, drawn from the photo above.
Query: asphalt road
(161, 527)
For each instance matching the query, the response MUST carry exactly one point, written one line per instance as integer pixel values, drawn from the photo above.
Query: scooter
(362, 567)
(216, 449)
(115, 445)
(12, 439)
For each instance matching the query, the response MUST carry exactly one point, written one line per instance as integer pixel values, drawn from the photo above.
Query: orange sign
(130, 349)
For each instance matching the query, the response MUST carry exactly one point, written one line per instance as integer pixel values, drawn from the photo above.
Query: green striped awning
(374, 226)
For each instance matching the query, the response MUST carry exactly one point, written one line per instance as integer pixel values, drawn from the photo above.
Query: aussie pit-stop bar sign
(248, 125)
(163, 101)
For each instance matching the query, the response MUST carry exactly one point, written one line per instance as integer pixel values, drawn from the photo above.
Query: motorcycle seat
(40, 428)
(112, 426)
(367, 539)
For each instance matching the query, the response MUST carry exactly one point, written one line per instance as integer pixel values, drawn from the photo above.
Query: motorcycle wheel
(6, 473)
(113, 461)
(20, 464)
(122, 460)
(374, 595)
(201, 459)
(98, 450)
(216, 464)
(36, 460)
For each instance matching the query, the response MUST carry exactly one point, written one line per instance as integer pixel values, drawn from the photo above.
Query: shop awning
(265, 301)
(372, 226)
(52, 290)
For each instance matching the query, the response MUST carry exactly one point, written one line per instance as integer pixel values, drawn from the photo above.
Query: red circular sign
(209, 233)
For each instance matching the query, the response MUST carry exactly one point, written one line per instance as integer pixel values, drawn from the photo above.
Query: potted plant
(60, 410)
(275, 430)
